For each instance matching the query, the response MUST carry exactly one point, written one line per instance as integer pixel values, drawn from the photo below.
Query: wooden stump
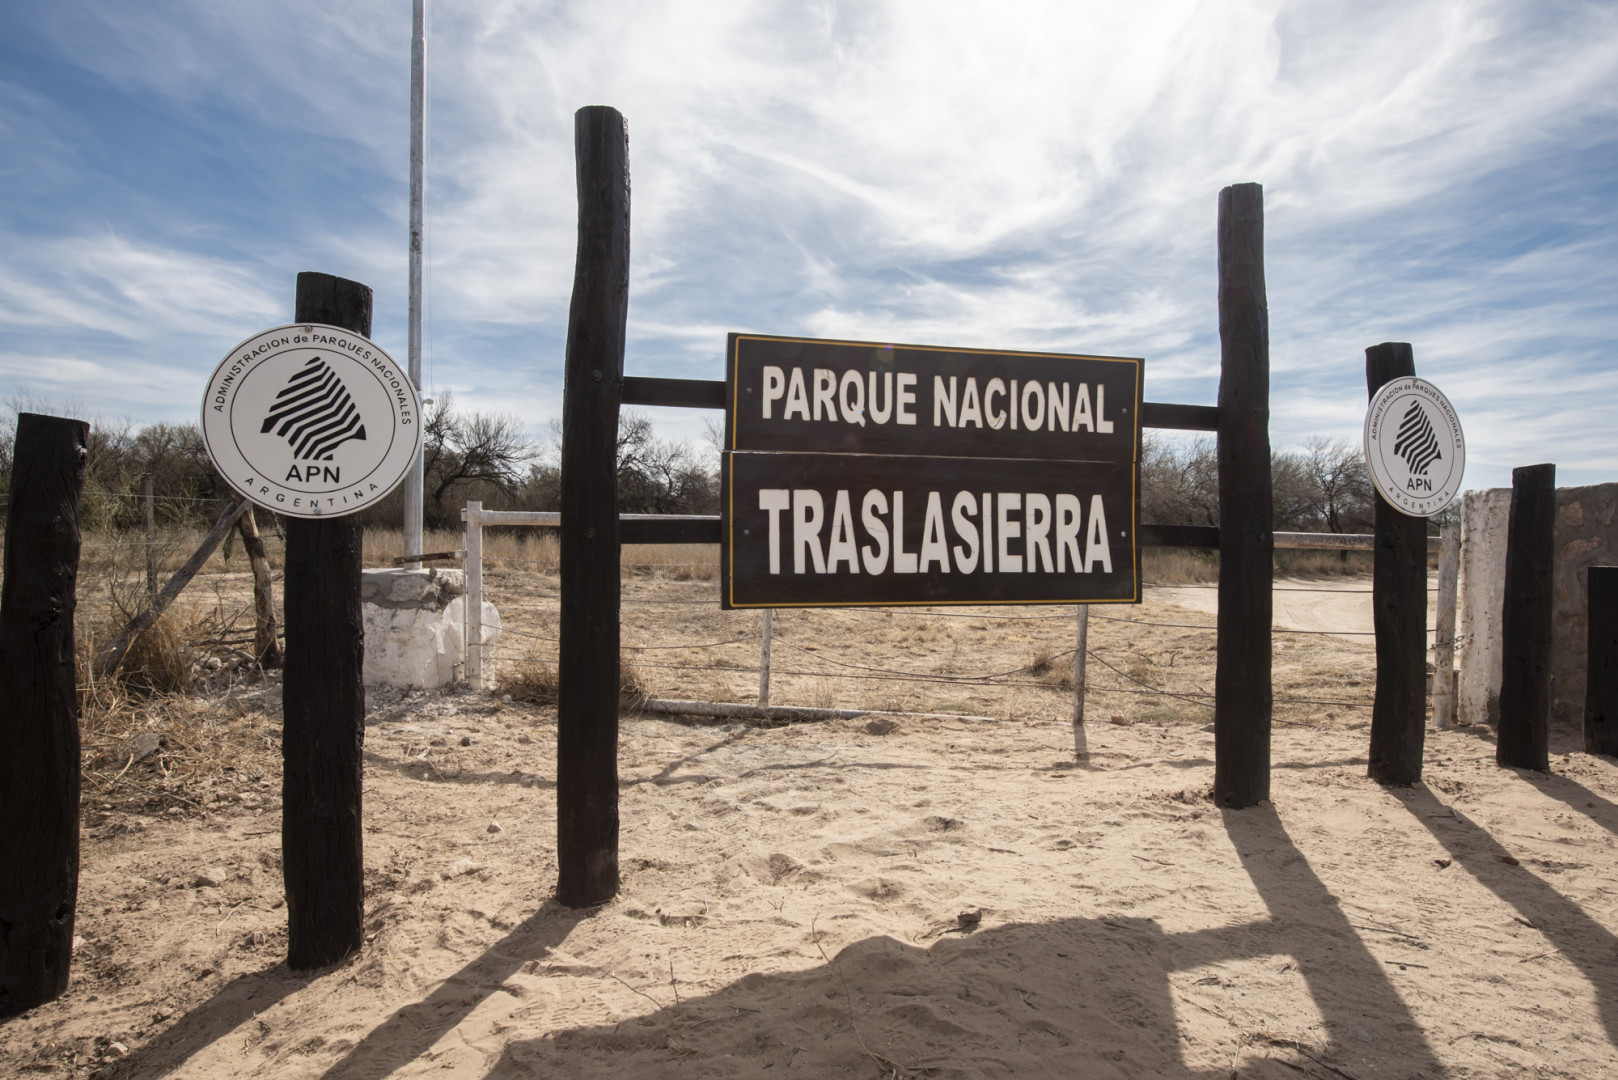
(39, 713)
(1399, 612)
(323, 697)
(1242, 693)
(1526, 622)
(587, 694)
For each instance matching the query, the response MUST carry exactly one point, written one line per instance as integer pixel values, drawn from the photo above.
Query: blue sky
(1023, 175)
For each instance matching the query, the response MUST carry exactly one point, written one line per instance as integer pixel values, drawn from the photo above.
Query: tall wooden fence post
(1526, 622)
(1601, 672)
(1242, 693)
(39, 713)
(1398, 612)
(587, 694)
(323, 697)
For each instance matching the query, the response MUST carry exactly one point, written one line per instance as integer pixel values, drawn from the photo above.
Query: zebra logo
(315, 413)
(1416, 441)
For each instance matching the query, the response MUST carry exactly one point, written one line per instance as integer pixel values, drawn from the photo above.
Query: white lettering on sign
(823, 395)
(1008, 532)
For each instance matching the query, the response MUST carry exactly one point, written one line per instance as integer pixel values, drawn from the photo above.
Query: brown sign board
(859, 473)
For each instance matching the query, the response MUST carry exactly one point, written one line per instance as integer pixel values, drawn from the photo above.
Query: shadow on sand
(1094, 997)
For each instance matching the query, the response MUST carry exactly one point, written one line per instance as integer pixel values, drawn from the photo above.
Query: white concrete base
(415, 627)
(1485, 513)
(1585, 535)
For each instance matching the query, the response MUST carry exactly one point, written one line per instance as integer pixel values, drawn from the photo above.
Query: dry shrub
(159, 659)
(1057, 673)
(632, 689)
(529, 678)
(535, 679)
(1040, 665)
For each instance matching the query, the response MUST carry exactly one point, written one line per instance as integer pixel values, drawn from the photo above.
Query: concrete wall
(1585, 536)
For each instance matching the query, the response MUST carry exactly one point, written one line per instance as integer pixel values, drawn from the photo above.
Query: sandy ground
(1337, 606)
(949, 898)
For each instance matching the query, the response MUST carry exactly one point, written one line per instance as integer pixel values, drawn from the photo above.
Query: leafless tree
(460, 450)
(1337, 486)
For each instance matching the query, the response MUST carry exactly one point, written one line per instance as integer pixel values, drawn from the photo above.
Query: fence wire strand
(1197, 695)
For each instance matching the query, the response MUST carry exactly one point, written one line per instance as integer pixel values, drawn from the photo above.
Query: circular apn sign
(311, 421)
(1414, 446)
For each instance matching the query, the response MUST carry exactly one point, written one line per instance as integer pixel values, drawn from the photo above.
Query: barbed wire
(883, 676)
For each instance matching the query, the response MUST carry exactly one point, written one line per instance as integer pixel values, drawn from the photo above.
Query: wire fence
(821, 662)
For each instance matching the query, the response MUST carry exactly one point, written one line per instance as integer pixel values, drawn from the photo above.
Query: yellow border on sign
(1134, 476)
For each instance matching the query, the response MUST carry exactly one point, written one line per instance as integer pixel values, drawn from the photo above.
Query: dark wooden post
(1399, 612)
(1525, 623)
(1242, 694)
(323, 698)
(1601, 671)
(587, 696)
(39, 713)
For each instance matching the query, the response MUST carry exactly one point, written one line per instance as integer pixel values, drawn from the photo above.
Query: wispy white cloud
(944, 171)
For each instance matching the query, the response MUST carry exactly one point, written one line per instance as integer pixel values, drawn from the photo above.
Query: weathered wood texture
(1157, 414)
(1449, 566)
(1601, 674)
(39, 714)
(1398, 612)
(113, 655)
(265, 647)
(323, 699)
(1525, 623)
(1242, 692)
(587, 696)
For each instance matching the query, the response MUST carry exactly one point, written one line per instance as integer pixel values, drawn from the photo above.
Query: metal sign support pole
(764, 658)
(474, 593)
(418, 145)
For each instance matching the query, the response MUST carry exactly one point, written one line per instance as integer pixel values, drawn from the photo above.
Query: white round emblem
(311, 421)
(1414, 446)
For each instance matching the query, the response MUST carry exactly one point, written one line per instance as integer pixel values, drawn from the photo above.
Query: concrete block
(415, 627)
(1585, 536)
(1485, 515)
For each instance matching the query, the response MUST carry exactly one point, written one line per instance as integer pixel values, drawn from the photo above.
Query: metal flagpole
(418, 145)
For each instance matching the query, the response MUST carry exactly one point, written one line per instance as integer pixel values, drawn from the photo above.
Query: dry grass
(534, 679)
(1186, 566)
(538, 550)
(179, 673)
(1293, 563)
(1179, 566)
